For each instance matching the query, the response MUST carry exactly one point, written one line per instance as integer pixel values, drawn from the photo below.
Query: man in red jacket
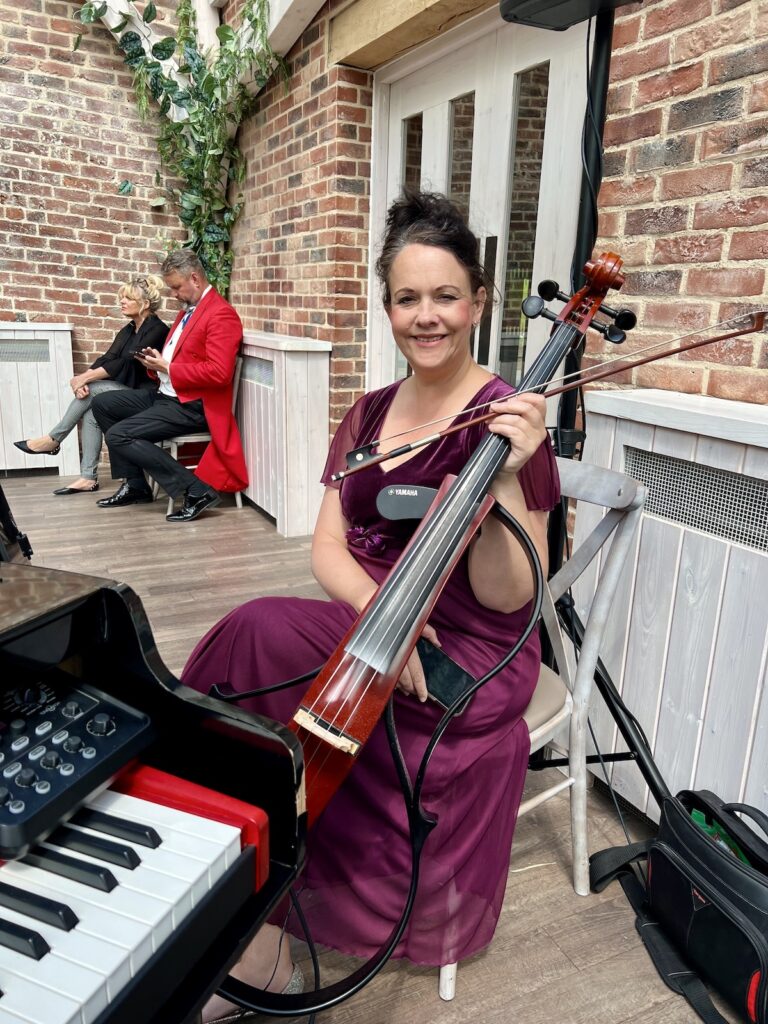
(195, 370)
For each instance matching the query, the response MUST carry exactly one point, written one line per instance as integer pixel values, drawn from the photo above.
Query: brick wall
(70, 134)
(684, 197)
(301, 244)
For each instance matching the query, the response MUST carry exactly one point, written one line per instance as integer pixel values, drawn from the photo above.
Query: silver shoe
(242, 1016)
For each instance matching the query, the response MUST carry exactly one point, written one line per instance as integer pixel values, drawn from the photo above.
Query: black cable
(420, 825)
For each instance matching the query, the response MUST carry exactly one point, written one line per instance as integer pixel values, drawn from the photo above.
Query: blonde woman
(116, 369)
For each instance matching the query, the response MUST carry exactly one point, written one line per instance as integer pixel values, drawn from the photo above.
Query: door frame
(568, 51)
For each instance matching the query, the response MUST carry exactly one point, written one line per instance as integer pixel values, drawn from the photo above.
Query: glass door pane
(528, 150)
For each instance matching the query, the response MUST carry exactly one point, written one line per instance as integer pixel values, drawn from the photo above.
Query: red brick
(749, 245)
(631, 63)
(745, 137)
(738, 385)
(682, 316)
(677, 82)
(688, 249)
(758, 96)
(670, 376)
(726, 281)
(619, 131)
(674, 16)
(727, 213)
(627, 192)
(701, 181)
(712, 35)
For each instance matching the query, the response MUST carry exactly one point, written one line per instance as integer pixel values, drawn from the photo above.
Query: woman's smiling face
(433, 309)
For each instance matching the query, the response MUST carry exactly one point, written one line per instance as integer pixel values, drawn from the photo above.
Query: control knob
(26, 777)
(50, 760)
(101, 724)
(70, 709)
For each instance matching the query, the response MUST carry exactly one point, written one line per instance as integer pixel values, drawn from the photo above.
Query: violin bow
(363, 457)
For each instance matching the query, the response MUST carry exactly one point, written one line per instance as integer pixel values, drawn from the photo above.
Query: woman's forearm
(339, 574)
(499, 572)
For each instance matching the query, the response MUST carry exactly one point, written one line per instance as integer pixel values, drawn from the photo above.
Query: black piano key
(22, 940)
(120, 828)
(92, 875)
(94, 846)
(59, 915)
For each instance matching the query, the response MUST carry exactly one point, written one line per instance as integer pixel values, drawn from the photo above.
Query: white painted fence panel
(283, 419)
(35, 370)
(687, 645)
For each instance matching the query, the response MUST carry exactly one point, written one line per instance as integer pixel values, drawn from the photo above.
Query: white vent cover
(723, 504)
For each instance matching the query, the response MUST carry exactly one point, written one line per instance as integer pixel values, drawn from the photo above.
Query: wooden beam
(368, 33)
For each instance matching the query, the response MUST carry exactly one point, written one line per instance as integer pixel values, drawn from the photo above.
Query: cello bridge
(330, 733)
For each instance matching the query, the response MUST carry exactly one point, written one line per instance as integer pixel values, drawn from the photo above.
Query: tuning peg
(610, 332)
(624, 318)
(533, 306)
(549, 290)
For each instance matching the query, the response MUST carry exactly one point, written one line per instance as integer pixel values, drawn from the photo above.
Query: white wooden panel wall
(688, 643)
(35, 370)
(283, 419)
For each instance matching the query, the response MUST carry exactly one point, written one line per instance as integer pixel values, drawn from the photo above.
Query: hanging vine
(204, 100)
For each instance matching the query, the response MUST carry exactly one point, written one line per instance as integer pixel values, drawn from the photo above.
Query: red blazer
(202, 367)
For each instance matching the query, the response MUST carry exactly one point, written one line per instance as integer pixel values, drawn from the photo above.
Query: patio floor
(555, 955)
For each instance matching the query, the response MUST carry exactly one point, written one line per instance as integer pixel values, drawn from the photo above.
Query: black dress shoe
(24, 447)
(76, 490)
(193, 506)
(126, 495)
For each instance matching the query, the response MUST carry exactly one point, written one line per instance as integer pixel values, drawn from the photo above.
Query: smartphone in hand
(446, 679)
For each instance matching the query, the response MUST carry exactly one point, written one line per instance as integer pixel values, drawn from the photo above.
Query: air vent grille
(723, 504)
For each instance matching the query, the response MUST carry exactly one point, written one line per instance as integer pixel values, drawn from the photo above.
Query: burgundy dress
(358, 852)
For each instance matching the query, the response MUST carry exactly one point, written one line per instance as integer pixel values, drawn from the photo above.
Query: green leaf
(150, 13)
(165, 105)
(165, 49)
(101, 10)
(130, 43)
(121, 26)
(157, 201)
(125, 187)
(225, 33)
(193, 59)
(215, 233)
(78, 40)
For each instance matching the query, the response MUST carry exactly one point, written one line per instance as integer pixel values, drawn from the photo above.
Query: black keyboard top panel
(60, 739)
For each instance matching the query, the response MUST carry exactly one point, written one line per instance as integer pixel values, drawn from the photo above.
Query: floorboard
(555, 955)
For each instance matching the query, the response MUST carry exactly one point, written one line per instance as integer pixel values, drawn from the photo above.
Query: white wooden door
(446, 118)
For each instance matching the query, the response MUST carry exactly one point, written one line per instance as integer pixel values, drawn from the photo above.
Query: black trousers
(133, 421)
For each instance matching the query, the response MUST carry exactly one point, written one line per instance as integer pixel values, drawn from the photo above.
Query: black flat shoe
(193, 507)
(24, 447)
(126, 495)
(76, 490)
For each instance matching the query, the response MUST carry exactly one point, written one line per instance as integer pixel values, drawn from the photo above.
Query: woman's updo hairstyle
(147, 291)
(428, 218)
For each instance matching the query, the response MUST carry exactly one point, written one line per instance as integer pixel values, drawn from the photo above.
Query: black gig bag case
(702, 911)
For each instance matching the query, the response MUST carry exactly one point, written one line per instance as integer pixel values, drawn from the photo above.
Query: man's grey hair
(184, 261)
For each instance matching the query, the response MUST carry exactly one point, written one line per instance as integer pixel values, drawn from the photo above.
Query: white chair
(174, 443)
(562, 697)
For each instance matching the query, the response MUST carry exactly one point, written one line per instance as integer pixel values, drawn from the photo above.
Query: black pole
(566, 437)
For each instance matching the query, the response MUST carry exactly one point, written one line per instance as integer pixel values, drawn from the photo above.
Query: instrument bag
(702, 913)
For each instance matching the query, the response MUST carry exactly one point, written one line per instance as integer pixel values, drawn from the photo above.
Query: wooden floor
(555, 956)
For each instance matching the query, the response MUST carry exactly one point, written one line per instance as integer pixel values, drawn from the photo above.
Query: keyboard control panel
(60, 739)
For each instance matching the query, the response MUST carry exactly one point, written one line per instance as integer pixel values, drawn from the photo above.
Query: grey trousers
(80, 409)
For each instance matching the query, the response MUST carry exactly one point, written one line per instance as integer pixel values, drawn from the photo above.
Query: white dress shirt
(166, 388)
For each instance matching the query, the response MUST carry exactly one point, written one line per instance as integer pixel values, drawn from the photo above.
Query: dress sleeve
(344, 440)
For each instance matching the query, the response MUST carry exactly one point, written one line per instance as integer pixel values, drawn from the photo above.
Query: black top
(118, 360)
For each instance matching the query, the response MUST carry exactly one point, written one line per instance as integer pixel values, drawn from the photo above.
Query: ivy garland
(198, 147)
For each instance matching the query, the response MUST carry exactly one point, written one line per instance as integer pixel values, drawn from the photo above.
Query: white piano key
(154, 913)
(25, 1001)
(111, 961)
(85, 987)
(225, 836)
(98, 922)
(192, 871)
(144, 881)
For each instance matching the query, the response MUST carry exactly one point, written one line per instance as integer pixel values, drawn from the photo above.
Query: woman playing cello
(434, 292)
